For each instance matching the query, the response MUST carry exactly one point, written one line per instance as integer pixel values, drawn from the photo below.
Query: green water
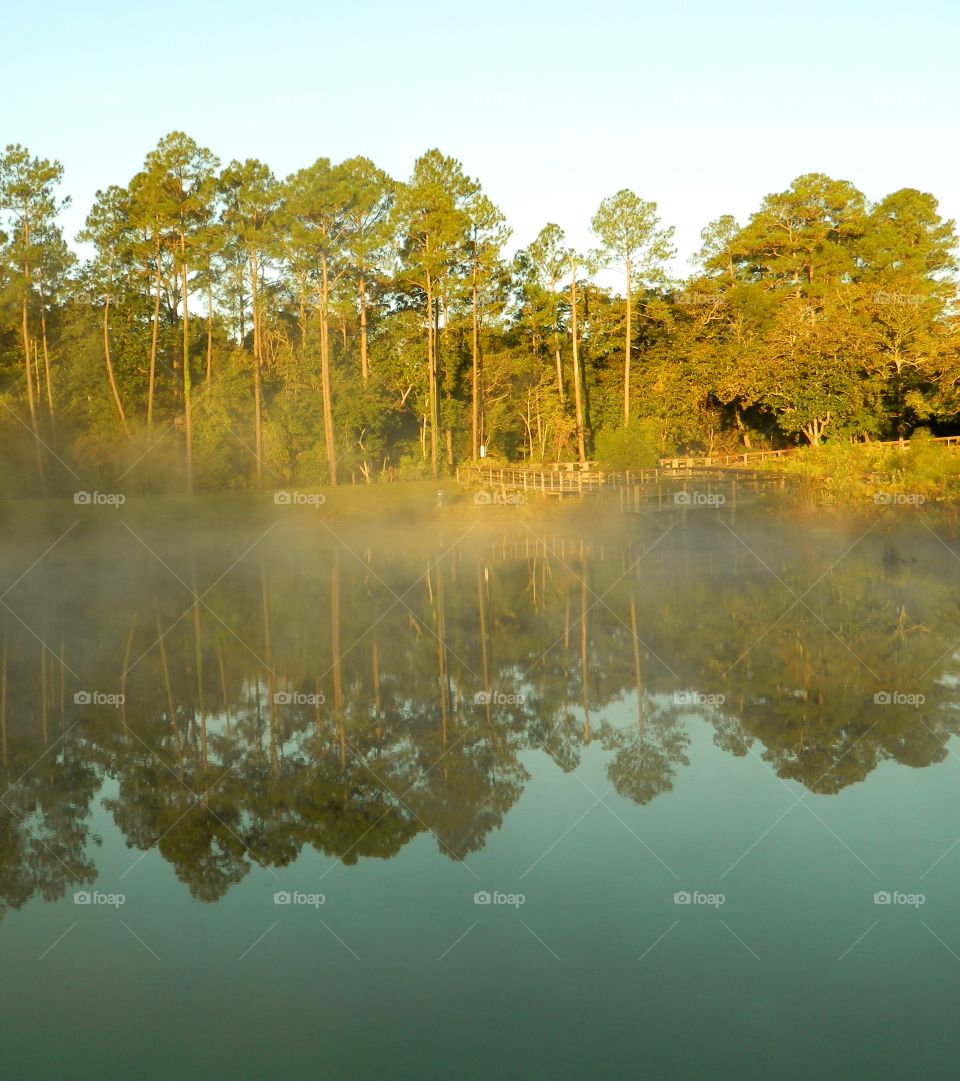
(671, 707)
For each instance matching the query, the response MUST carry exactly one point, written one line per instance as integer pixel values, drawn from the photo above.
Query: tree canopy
(228, 329)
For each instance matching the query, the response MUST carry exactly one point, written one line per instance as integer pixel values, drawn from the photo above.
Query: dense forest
(229, 329)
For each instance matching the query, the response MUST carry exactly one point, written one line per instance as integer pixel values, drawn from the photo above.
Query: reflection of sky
(598, 880)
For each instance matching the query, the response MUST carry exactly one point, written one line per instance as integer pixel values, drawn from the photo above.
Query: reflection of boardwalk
(676, 486)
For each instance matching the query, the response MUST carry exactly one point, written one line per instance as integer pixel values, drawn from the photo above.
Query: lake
(668, 795)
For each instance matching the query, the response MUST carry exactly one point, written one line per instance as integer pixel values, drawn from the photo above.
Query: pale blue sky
(702, 106)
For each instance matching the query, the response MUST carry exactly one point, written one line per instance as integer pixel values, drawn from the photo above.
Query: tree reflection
(331, 695)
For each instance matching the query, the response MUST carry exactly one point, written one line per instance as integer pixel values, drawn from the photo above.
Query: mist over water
(279, 767)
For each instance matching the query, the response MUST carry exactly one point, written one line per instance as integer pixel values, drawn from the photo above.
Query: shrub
(633, 447)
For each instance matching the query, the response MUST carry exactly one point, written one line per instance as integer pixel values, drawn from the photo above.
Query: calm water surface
(492, 799)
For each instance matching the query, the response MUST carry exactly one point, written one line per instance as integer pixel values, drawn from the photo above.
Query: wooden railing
(635, 487)
(702, 477)
(749, 456)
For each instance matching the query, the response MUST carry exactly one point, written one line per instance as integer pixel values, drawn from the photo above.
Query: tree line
(232, 329)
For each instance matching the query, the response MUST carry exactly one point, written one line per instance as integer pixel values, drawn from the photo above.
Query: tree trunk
(46, 360)
(109, 363)
(432, 373)
(209, 334)
(31, 400)
(187, 410)
(476, 369)
(559, 372)
(335, 650)
(325, 373)
(153, 339)
(257, 370)
(626, 351)
(577, 389)
(362, 290)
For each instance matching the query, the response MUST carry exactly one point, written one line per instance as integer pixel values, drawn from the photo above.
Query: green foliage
(633, 447)
(282, 329)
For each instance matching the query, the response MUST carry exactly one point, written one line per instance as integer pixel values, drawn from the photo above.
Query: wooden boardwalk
(691, 481)
(749, 457)
(690, 487)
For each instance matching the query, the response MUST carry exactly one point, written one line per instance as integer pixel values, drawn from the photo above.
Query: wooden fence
(690, 486)
(750, 456)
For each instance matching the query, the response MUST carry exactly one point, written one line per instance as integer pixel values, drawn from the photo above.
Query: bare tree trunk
(257, 368)
(46, 364)
(362, 290)
(198, 665)
(377, 704)
(153, 340)
(109, 363)
(31, 400)
(626, 350)
(584, 668)
(559, 374)
(335, 650)
(187, 410)
(171, 707)
(271, 679)
(432, 371)
(484, 650)
(328, 432)
(209, 334)
(636, 664)
(577, 388)
(476, 370)
(3, 701)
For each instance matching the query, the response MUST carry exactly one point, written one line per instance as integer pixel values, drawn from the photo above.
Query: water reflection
(231, 702)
